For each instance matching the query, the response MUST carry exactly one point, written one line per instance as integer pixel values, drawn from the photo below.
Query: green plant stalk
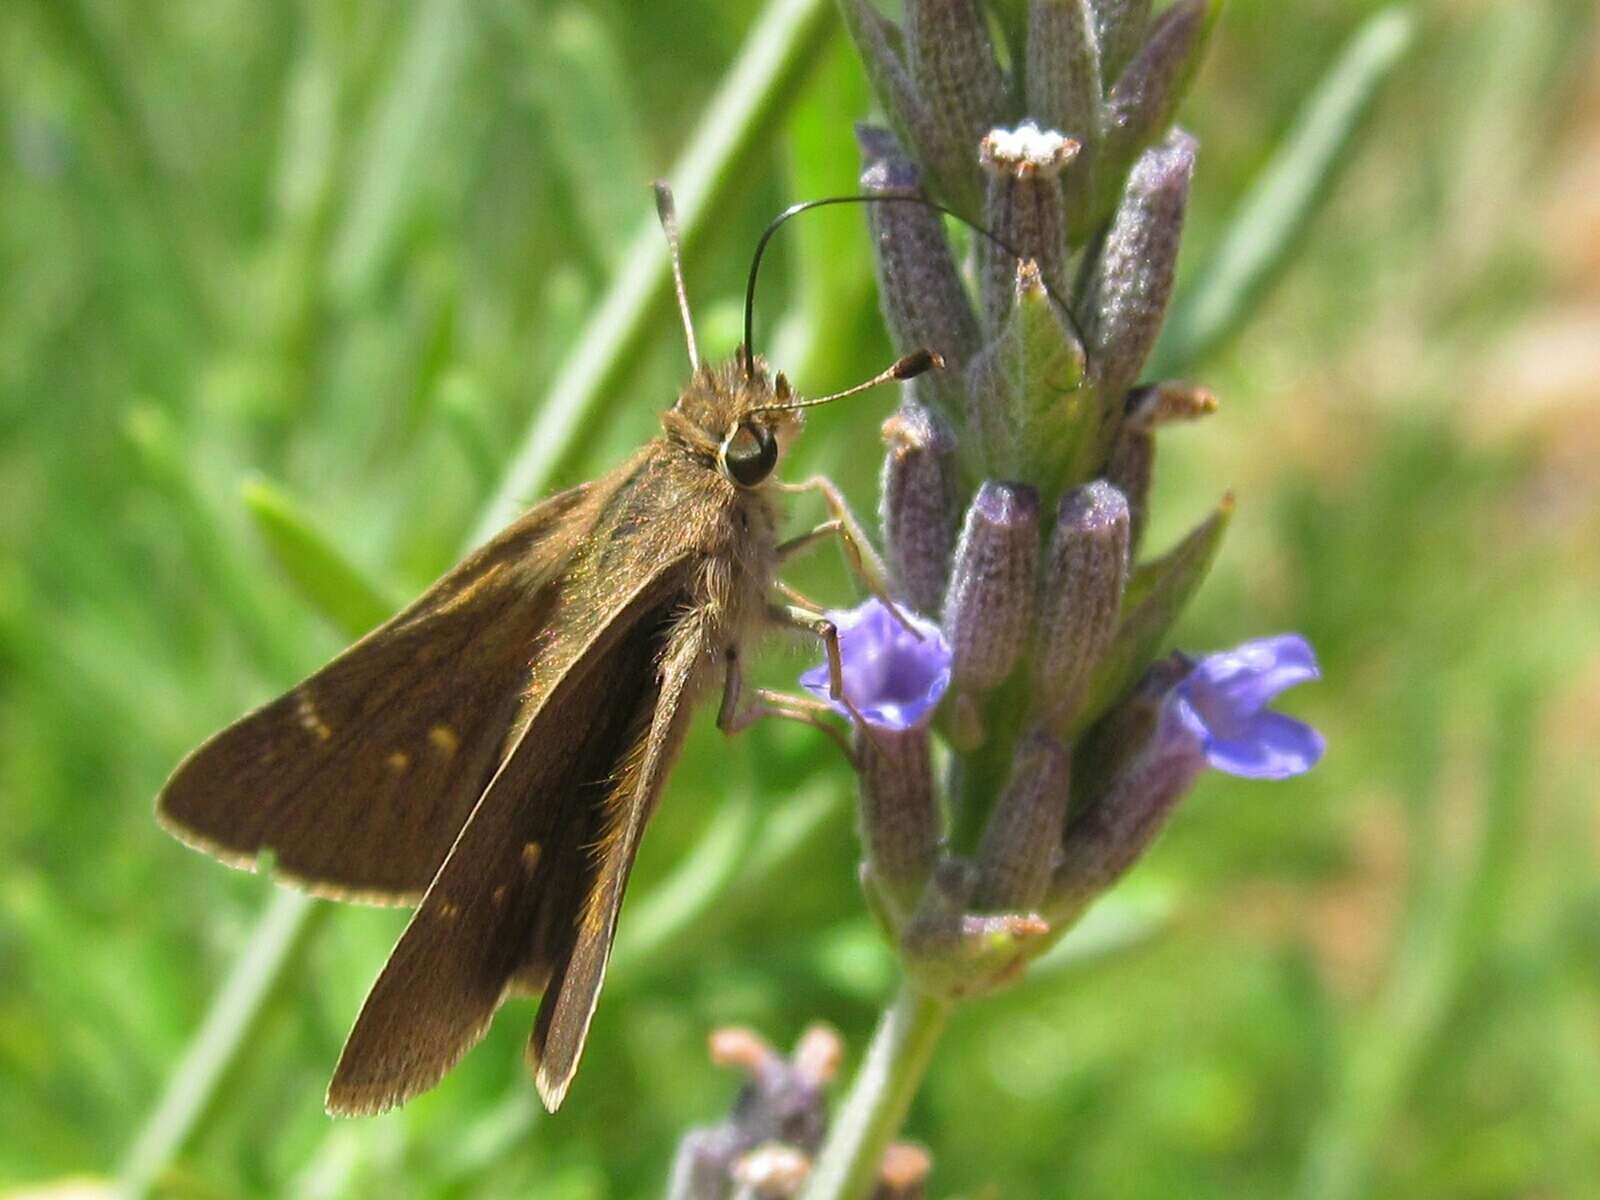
(274, 944)
(784, 43)
(887, 1081)
(1267, 224)
(760, 86)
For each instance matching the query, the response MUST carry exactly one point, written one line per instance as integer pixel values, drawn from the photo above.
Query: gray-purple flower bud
(1078, 612)
(777, 1122)
(1120, 26)
(1064, 84)
(882, 44)
(1133, 282)
(1023, 209)
(1020, 843)
(1130, 468)
(924, 301)
(962, 87)
(1137, 781)
(899, 814)
(989, 607)
(1146, 93)
(1131, 463)
(918, 504)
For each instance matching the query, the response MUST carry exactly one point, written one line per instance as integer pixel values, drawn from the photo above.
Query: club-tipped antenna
(795, 210)
(668, 213)
(907, 367)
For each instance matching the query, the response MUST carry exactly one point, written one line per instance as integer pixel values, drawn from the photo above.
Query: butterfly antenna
(668, 214)
(794, 210)
(909, 367)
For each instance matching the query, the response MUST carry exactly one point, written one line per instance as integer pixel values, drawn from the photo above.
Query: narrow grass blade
(1267, 225)
(274, 943)
(319, 571)
(785, 40)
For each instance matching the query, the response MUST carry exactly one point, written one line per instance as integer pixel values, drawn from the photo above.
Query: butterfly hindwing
(579, 968)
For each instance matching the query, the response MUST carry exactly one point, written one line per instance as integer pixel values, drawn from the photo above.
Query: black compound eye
(749, 454)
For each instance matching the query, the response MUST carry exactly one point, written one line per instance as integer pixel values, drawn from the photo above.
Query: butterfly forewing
(508, 899)
(528, 897)
(359, 779)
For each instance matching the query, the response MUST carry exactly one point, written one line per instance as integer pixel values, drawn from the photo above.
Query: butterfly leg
(810, 620)
(842, 524)
(736, 714)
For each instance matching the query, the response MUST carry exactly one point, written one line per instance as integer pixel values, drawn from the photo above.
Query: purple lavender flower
(894, 679)
(1220, 709)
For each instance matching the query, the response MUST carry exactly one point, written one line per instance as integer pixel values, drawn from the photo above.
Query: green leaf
(318, 569)
(1267, 225)
(1029, 406)
(1157, 593)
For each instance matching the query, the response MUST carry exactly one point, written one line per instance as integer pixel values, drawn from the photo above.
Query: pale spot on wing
(444, 739)
(530, 856)
(398, 761)
(499, 895)
(309, 720)
(449, 910)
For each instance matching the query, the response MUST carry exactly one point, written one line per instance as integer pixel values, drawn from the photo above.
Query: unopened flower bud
(918, 504)
(737, 1046)
(962, 87)
(1065, 90)
(772, 1172)
(904, 1174)
(1120, 27)
(777, 1122)
(899, 814)
(1023, 209)
(1024, 832)
(924, 301)
(1110, 834)
(1133, 282)
(1084, 580)
(1146, 93)
(989, 607)
(818, 1053)
(1130, 468)
(1166, 585)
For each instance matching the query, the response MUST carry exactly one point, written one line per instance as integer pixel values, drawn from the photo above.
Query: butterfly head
(737, 421)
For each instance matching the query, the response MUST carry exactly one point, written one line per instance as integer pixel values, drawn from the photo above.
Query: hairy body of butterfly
(493, 752)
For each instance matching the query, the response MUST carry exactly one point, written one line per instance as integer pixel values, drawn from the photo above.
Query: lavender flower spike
(894, 679)
(1220, 708)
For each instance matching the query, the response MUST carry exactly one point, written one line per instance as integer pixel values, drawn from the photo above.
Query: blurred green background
(271, 267)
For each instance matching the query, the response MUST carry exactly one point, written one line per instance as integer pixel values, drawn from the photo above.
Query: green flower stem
(880, 1097)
